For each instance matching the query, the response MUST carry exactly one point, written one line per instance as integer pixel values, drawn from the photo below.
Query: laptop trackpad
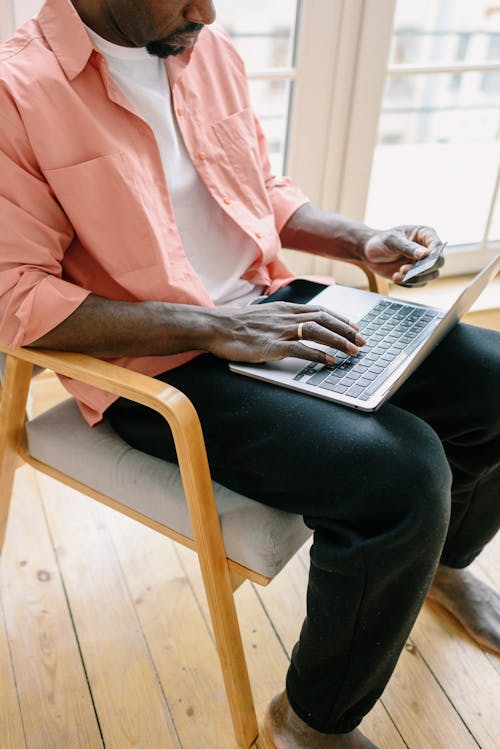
(349, 302)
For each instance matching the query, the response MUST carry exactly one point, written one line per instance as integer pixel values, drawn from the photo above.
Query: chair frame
(221, 576)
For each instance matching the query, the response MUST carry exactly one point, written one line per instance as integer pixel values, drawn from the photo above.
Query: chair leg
(232, 657)
(12, 418)
(209, 543)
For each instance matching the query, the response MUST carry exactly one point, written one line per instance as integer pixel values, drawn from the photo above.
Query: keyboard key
(364, 382)
(319, 376)
(337, 388)
(355, 391)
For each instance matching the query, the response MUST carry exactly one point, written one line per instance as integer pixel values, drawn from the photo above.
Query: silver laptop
(399, 336)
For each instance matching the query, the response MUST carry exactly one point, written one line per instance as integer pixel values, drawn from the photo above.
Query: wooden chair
(180, 502)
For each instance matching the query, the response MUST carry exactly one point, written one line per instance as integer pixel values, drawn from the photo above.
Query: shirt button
(180, 111)
(202, 156)
(227, 201)
(258, 235)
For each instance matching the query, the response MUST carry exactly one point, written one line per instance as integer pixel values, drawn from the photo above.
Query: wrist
(202, 327)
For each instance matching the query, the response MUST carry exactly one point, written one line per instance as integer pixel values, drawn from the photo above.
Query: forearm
(323, 233)
(102, 327)
(257, 333)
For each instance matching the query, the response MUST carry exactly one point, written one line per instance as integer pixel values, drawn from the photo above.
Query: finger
(313, 331)
(301, 308)
(427, 236)
(301, 351)
(329, 317)
(404, 246)
(426, 276)
(419, 280)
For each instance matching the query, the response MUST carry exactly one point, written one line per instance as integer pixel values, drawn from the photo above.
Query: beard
(168, 47)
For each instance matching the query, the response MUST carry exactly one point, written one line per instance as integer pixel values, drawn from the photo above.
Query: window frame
(333, 137)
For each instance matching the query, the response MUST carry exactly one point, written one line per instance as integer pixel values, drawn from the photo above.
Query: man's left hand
(392, 253)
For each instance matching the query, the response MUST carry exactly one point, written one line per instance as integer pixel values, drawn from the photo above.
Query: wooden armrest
(171, 403)
(376, 283)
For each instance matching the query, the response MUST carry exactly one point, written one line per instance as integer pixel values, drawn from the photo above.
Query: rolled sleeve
(50, 301)
(35, 233)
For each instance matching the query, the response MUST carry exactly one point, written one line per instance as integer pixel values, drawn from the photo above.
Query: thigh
(294, 451)
(457, 388)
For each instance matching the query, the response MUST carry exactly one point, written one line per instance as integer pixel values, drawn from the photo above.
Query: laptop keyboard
(392, 331)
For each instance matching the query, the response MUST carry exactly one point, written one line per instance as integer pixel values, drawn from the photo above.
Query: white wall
(25, 9)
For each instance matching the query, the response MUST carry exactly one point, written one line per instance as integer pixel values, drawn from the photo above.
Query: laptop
(399, 335)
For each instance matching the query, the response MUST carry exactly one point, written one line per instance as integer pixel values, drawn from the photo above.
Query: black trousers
(389, 495)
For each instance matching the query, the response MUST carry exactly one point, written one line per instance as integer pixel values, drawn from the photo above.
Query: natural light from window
(440, 120)
(264, 34)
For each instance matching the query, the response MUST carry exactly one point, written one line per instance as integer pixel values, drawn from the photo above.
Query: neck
(94, 14)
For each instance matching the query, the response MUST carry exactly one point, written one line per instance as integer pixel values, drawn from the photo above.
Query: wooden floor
(105, 640)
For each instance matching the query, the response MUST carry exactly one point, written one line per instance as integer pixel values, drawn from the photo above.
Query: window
(437, 156)
(264, 34)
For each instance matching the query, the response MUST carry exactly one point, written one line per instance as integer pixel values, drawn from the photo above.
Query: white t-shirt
(203, 226)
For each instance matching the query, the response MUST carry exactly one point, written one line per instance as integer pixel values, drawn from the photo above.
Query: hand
(266, 332)
(392, 253)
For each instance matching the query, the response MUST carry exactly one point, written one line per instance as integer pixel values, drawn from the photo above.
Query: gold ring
(299, 331)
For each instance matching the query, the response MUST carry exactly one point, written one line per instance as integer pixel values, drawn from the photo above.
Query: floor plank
(52, 689)
(424, 715)
(176, 633)
(132, 708)
(11, 723)
(463, 672)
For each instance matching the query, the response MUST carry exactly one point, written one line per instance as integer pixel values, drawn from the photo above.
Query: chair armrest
(171, 403)
(376, 283)
(177, 410)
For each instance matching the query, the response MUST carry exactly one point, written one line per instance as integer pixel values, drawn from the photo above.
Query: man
(139, 218)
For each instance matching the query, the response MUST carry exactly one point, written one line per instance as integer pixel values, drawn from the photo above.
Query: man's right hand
(258, 333)
(276, 330)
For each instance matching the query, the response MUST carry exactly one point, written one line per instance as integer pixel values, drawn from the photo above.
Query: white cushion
(256, 536)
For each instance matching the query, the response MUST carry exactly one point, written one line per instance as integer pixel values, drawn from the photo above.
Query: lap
(288, 449)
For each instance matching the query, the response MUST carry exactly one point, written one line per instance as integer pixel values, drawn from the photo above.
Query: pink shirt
(84, 205)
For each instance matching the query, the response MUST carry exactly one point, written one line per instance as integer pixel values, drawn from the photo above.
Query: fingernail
(360, 340)
(329, 360)
(352, 349)
(420, 253)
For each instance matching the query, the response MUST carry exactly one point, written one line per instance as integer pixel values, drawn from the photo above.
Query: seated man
(139, 218)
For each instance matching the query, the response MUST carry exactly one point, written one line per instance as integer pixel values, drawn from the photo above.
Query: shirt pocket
(108, 211)
(238, 139)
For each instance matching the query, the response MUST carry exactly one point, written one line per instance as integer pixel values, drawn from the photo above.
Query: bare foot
(474, 604)
(288, 731)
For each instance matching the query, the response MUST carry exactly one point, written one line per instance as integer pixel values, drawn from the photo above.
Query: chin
(164, 49)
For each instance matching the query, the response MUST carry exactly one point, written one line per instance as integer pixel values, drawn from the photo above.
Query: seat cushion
(256, 536)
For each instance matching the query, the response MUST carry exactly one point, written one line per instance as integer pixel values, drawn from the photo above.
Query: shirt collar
(68, 39)
(66, 35)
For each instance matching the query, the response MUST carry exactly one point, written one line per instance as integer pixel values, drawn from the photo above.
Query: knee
(473, 355)
(419, 483)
